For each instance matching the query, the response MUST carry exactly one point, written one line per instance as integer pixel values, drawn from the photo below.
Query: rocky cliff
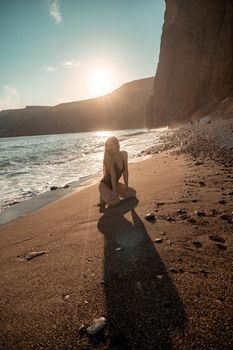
(124, 108)
(195, 71)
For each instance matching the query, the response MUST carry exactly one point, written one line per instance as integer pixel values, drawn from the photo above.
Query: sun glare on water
(104, 134)
(101, 82)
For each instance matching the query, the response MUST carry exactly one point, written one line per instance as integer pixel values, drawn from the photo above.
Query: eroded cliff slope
(195, 72)
(124, 108)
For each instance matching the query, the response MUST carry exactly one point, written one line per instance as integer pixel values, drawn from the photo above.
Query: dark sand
(171, 295)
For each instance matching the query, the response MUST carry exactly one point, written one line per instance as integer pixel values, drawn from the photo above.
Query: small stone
(202, 183)
(139, 286)
(222, 201)
(159, 277)
(118, 249)
(205, 273)
(66, 186)
(52, 188)
(185, 217)
(192, 221)
(170, 218)
(150, 217)
(197, 244)
(221, 246)
(200, 213)
(33, 255)
(98, 325)
(220, 300)
(225, 217)
(158, 240)
(160, 203)
(66, 296)
(173, 270)
(181, 211)
(214, 212)
(82, 330)
(217, 238)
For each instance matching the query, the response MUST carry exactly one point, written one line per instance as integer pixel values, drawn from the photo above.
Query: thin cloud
(10, 98)
(50, 69)
(71, 64)
(54, 10)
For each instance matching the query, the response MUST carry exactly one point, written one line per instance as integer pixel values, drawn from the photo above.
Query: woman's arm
(126, 171)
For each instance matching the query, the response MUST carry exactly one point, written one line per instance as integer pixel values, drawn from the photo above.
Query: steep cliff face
(195, 70)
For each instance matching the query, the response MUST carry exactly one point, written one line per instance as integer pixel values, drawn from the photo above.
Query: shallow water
(30, 165)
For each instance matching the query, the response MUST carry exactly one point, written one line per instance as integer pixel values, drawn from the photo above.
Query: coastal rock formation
(124, 108)
(195, 70)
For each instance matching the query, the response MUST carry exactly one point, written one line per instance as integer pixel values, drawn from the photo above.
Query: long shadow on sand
(143, 308)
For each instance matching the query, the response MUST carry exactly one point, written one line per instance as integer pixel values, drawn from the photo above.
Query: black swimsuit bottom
(107, 176)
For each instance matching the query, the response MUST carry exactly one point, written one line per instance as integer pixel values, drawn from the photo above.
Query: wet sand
(175, 293)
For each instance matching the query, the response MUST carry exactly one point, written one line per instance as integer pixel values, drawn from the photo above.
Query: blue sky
(59, 51)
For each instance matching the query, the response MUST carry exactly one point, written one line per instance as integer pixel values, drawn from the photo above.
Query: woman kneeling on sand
(114, 165)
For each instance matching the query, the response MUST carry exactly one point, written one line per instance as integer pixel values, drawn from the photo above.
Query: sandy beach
(165, 284)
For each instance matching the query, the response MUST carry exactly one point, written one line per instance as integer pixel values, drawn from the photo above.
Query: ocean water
(31, 165)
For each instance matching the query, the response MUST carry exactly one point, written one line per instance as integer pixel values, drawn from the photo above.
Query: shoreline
(43, 199)
(16, 196)
(188, 135)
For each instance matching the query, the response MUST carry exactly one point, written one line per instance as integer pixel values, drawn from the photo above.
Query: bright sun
(101, 82)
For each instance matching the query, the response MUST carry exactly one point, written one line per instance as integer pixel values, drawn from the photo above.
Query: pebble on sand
(32, 255)
(158, 240)
(98, 325)
(217, 238)
(150, 217)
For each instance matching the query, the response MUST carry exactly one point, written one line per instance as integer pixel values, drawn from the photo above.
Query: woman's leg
(125, 193)
(108, 196)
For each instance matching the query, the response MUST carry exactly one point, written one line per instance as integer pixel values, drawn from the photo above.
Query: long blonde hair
(111, 139)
